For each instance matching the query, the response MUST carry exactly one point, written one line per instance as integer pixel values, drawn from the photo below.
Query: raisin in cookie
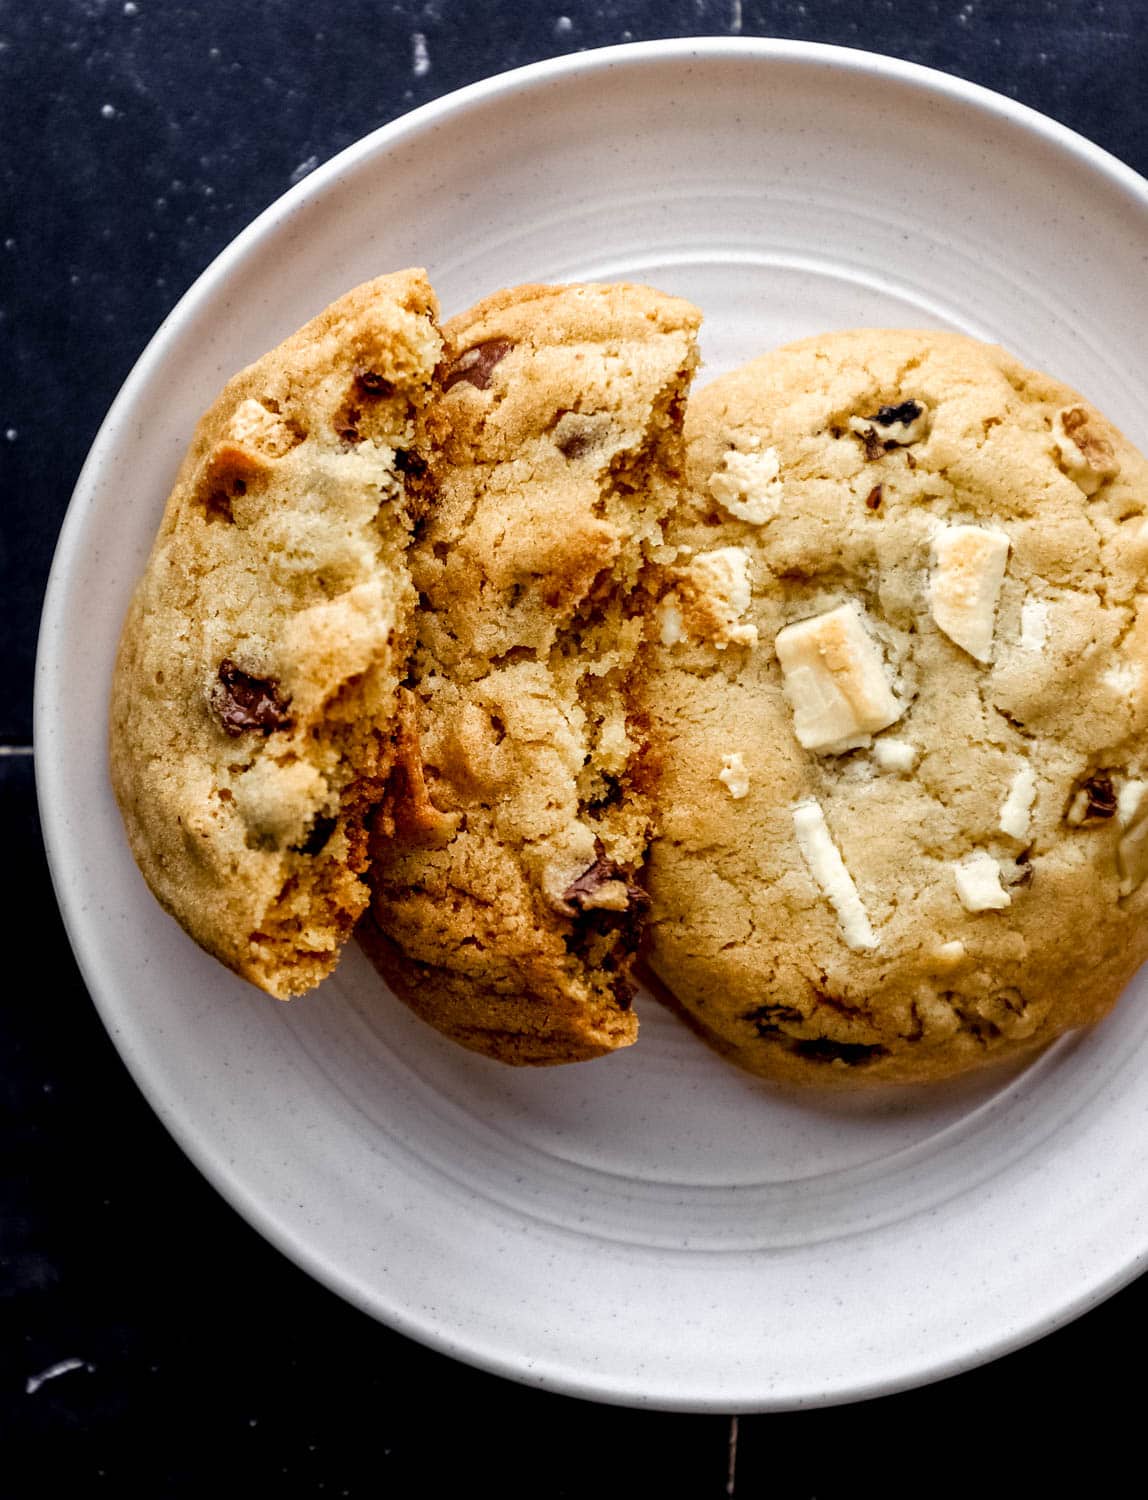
(505, 909)
(255, 698)
(900, 702)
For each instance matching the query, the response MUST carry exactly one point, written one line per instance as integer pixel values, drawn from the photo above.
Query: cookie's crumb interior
(510, 920)
(254, 704)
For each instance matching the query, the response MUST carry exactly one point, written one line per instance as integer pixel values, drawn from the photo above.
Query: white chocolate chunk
(253, 426)
(734, 776)
(1128, 800)
(1123, 677)
(833, 880)
(1033, 624)
(892, 754)
(714, 594)
(951, 953)
(835, 681)
(615, 747)
(1083, 451)
(1132, 857)
(978, 879)
(1017, 806)
(670, 630)
(747, 485)
(966, 584)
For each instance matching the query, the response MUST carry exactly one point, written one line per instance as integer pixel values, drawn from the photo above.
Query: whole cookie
(900, 707)
(256, 692)
(505, 909)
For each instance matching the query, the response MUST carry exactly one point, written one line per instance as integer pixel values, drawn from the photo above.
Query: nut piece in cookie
(254, 703)
(557, 453)
(1084, 450)
(943, 861)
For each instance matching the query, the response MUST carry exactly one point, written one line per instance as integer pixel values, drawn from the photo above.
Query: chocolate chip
(821, 1049)
(768, 1019)
(875, 496)
(874, 447)
(576, 444)
(242, 702)
(580, 893)
(900, 416)
(476, 365)
(611, 795)
(1101, 796)
(1093, 798)
(217, 507)
(372, 382)
(409, 463)
(320, 831)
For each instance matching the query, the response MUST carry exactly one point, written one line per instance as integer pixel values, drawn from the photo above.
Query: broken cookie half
(505, 907)
(256, 696)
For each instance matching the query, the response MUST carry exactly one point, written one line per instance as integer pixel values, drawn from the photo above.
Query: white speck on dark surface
(11, 434)
(61, 1367)
(304, 169)
(108, 111)
(735, 19)
(131, 9)
(420, 65)
(563, 25)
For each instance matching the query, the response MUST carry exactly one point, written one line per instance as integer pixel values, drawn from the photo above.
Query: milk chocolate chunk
(476, 365)
(242, 702)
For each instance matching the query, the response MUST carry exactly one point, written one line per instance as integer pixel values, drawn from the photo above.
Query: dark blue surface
(136, 139)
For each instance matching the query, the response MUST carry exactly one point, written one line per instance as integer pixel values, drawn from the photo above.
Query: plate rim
(48, 709)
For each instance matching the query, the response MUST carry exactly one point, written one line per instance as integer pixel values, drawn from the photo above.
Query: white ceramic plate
(653, 1228)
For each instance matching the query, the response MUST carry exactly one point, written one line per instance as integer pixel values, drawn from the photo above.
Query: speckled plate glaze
(653, 1228)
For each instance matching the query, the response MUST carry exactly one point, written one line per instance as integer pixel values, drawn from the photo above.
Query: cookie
(256, 693)
(505, 903)
(900, 708)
